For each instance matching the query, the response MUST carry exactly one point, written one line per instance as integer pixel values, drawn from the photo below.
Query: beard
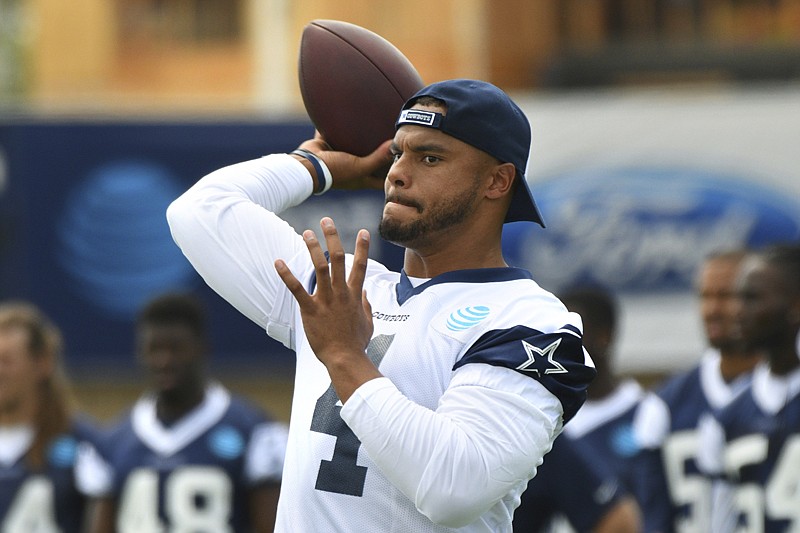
(434, 219)
(728, 344)
(10, 405)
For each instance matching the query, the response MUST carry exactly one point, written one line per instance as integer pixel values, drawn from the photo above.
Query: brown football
(353, 83)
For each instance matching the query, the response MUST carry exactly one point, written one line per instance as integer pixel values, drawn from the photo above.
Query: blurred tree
(13, 75)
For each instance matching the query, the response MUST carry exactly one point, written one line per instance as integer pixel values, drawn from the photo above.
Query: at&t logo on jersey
(226, 443)
(62, 451)
(467, 317)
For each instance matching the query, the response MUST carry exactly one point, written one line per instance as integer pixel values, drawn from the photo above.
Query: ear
(502, 180)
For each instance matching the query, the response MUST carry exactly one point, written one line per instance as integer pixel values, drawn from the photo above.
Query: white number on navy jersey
(687, 488)
(32, 510)
(779, 499)
(341, 474)
(783, 491)
(183, 488)
(748, 498)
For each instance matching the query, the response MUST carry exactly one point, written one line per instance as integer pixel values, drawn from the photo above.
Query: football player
(424, 399)
(605, 422)
(572, 485)
(39, 431)
(753, 444)
(673, 493)
(189, 456)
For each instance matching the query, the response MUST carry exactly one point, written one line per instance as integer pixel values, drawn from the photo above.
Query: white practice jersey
(481, 369)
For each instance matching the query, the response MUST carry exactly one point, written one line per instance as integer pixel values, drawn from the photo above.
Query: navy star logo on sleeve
(541, 361)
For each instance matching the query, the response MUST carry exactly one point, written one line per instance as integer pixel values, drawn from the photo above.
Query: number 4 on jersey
(341, 474)
(32, 509)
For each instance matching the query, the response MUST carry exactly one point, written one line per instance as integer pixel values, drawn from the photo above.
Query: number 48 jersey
(194, 474)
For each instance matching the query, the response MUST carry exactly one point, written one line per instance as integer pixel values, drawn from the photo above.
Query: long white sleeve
(459, 461)
(226, 225)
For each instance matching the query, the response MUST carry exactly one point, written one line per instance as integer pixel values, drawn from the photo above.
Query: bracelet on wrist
(324, 177)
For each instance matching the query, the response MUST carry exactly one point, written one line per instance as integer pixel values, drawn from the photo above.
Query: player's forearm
(454, 464)
(275, 182)
(225, 225)
(349, 373)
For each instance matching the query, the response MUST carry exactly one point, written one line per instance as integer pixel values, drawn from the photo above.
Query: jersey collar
(14, 443)
(405, 289)
(168, 440)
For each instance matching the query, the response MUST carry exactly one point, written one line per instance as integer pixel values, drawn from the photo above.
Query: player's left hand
(337, 317)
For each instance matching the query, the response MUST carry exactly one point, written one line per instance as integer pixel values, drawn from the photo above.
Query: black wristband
(323, 182)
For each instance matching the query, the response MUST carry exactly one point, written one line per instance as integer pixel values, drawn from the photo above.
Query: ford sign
(645, 229)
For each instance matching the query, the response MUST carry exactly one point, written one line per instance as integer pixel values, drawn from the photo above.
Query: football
(353, 83)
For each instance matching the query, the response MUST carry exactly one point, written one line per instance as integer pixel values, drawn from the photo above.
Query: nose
(159, 358)
(397, 175)
(714, 306)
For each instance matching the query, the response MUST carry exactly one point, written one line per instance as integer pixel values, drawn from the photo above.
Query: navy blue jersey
(761, 457)
(606, 427)
(193, 475)
(662, 472)
(45, 499)
(672, 491)
(570, 483)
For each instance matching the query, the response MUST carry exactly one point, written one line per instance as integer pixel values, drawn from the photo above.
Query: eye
(431, 159)
(396, 156)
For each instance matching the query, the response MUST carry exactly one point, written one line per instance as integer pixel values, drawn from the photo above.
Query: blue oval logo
(644, 229)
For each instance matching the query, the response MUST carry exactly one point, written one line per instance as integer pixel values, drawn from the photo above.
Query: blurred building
(199, 55)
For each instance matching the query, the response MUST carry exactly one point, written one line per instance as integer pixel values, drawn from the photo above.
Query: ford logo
(645, 229)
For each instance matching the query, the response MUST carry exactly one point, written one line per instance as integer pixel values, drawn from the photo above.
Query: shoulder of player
(521, 302)
(84, 428)
(614, 413)
(678, 388)
(740, 405)
(245, 411)
(249, 417)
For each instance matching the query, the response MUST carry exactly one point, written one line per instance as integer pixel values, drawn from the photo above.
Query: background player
(433, 415)
(575, 485)
(605, 422)
(755, 441)
(673, 493)
(592, 495)
(189, 456)
(39, 432)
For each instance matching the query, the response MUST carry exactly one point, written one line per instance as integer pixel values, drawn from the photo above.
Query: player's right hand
(350, 171)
